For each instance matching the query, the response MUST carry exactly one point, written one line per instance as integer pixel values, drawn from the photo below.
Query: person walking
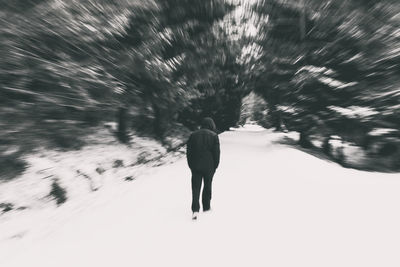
(203, 154)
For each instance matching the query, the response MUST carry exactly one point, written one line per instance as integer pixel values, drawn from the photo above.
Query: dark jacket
(203, 149)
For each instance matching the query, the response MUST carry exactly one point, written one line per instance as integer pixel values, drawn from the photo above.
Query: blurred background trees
(330, 68)
(325, 68)
(71, 62)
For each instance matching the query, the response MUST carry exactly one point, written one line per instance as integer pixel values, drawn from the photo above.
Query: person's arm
(216, 152)
(189, 152)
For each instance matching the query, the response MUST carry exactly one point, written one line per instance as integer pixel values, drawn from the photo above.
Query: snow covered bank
(273, 205)
(102, 167)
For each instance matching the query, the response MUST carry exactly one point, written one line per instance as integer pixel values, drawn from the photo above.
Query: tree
(319, 58)
(218, 75)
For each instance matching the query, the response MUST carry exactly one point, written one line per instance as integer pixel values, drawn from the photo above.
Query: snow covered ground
(272, 206)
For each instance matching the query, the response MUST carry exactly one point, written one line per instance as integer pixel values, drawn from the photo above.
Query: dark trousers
(197, 178)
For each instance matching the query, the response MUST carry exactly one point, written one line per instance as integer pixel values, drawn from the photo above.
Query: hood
(208, 123)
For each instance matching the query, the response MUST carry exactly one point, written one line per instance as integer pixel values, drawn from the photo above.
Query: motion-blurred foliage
(331, 68)
(68, 65)
(323, 67)
(77, 60)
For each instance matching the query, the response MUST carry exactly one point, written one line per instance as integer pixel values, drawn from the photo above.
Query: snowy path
(272, 206)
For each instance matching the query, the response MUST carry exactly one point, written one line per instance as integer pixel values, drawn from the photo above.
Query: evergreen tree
(324, 61)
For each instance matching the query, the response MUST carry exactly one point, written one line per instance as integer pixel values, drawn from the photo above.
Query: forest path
(272, 205)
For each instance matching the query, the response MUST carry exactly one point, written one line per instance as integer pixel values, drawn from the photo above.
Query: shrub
(5, 207)
(142, 157)
(58, 193)
(118, 163)
(11, 166)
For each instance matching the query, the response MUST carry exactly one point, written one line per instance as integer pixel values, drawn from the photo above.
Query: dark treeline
(68, 65)
(331, 68)
(323, 68)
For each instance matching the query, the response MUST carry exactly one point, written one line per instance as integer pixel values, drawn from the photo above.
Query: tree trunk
(326, 147)
(276, 119)
(304, 142)
(159, 123)
(121, 117)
